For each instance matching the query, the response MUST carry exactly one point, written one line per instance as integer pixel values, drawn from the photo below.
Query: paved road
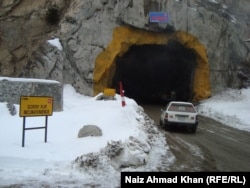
(214, 147)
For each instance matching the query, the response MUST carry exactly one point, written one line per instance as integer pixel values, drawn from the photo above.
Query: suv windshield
(181, 108)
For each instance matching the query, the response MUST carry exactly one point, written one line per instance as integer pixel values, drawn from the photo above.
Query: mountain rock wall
(85, 30)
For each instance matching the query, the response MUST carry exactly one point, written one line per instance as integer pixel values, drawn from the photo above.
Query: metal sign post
(122, 94)
(35, 106)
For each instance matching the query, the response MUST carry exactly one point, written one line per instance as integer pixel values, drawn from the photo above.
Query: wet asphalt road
(214, 147)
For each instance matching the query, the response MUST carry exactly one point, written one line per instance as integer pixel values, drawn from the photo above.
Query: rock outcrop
(85, 30)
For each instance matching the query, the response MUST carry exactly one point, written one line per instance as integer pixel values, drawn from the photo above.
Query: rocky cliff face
(85, 29)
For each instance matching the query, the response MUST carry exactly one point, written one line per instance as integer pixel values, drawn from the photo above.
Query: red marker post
(122, 94)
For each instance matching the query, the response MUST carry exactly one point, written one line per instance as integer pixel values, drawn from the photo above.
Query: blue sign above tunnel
(159, 17)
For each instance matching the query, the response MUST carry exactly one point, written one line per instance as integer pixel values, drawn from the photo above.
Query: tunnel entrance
(153, 73)
(184, 48)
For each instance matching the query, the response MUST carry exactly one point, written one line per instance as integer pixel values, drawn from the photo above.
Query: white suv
(179, 114)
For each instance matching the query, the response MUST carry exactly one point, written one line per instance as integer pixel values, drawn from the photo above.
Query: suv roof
(186, 107)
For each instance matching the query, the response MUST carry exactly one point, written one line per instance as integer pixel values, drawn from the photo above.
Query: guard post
(35, 106)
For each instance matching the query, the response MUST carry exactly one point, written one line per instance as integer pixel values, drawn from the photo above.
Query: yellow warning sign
(109, 92)
(36, 106)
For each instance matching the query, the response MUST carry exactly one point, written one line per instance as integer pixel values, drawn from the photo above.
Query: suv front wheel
(192, 129)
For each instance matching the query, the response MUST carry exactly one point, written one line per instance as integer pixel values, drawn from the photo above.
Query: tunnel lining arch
(124, 37)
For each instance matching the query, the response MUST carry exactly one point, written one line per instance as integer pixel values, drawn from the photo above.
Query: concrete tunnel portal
(153, 67)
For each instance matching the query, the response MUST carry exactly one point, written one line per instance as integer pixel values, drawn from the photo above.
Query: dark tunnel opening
(156, 73)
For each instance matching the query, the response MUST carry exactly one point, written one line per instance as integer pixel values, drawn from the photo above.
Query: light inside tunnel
(153, 73)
